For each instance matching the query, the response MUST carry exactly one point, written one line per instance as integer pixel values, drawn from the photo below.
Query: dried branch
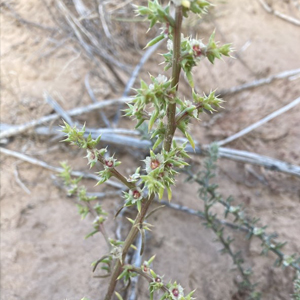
(260, 122)
(73, 112)
(19, 181)
(110, 136)
(59, 110)
(278, 14)
(93, 98)
(97, 48)
(42, 164)
(260, 82)
(14, 14)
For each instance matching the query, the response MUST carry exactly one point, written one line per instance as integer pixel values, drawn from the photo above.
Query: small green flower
(111, 162)
(136, 195)
(92, 157)
(135, 177)
(176, 291)
(153, 162)
(116, 252)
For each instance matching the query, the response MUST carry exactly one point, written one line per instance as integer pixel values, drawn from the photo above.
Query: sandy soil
(43, 251)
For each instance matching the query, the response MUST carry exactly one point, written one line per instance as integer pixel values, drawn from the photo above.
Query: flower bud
(109, 163)
(175, 292)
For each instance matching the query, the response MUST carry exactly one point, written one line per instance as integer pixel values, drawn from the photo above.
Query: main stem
(171, 127)
(176, 68)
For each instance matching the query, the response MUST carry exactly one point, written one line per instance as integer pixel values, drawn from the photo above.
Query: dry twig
(14, 14)
(260, 122)
(260, 82)
(42, 164)
(59, 110)
(278, 14)
(19, 181)
(93, 98)
(73, 112)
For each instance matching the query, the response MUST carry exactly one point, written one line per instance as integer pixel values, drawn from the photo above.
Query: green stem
(127, 243)
(184, 114)
(118, 175)
(146, 276)
(171, 125)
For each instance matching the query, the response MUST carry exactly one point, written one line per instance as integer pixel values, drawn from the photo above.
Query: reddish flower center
(197, 50)
(145, 269)
(175, 292)
(157, 279)
(109, 163)
(154, 164)
(166, 32)
(136, 194)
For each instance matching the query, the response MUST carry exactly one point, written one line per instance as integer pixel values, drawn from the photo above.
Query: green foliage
(192, 51)
(84, 206)
(296, 295)
(159, 105)
(160, 169)
(155, 13)
(76, 137)
(208, 192)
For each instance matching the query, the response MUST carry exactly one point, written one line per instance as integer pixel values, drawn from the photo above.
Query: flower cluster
(134, 197)
(108, 164)
(192, 51)
(158, 94)
(160, 169)
(198, 7)
(76, 137)
(155, 13)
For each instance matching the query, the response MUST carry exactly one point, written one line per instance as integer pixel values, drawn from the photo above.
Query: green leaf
(123, 274)
(189, 77)
(153, 119)
(139, 206)
(157, 143)
(188, 136)
(119, 296)
(90, 234)
(151, 259)
(169, 193)
(155, 41)
(161, 193)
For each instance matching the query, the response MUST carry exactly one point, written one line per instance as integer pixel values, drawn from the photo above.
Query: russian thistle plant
(159, 105)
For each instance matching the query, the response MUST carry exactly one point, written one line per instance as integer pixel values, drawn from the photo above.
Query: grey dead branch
(114, 136)
(278, 14)
(260, 122)
(44, 165)
(232, 154)
(290, 74)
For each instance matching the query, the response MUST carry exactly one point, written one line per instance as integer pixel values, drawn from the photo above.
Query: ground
(43, 251)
